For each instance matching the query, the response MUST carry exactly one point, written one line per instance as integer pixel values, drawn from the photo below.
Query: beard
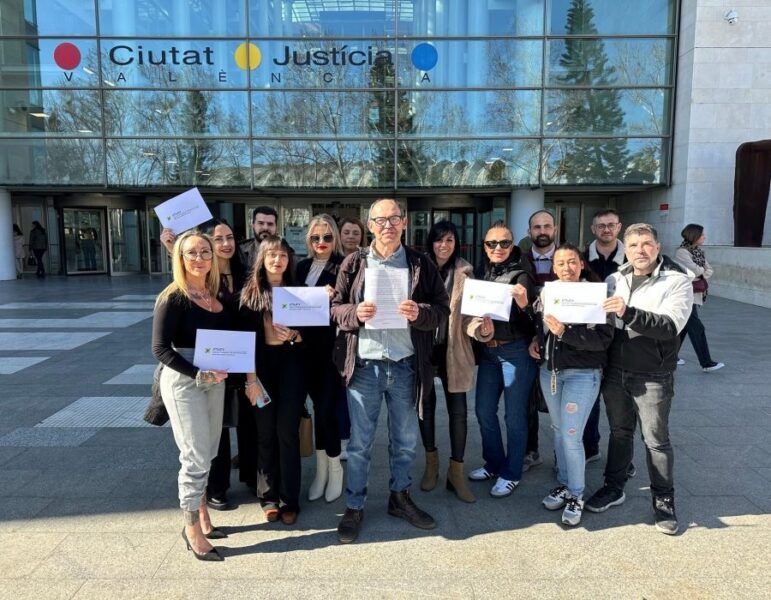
(263, 234)
(543, 241)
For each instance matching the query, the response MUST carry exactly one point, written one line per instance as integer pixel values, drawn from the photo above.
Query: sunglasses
(505, 244)
(328, 238)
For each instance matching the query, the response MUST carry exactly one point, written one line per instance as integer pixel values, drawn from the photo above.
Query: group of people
(38, 245)
(350, 369)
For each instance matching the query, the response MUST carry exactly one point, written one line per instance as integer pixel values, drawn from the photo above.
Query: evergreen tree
(589, 111)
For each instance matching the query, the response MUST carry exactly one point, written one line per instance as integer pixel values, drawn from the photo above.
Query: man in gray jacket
(651, 298)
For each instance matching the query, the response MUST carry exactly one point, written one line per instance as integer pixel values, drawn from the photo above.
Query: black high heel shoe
(212, 555)
(215, 534)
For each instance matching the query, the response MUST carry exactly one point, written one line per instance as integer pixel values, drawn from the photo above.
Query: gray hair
(641, 229)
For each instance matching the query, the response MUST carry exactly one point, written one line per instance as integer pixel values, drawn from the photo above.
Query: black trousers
(278, 426)
(456, 410)
(324, 388)
(219, 475)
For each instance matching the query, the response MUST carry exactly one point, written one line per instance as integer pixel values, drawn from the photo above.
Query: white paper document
(387, 288)
(221, 350)
(183, 212)
(301, 306)
(575, 302)
(486, 299)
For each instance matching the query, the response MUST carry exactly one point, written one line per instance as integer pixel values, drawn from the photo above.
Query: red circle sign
(67, 56)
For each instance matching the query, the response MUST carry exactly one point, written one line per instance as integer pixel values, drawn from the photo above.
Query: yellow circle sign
(248, 56)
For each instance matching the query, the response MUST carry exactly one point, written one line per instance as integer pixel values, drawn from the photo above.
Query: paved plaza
(88, 492)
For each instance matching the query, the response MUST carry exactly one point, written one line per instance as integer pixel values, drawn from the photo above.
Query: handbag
(306, 435)
(700, 285)
(536, 396)
(156, 413)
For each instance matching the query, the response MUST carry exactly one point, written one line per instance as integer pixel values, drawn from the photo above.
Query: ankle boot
(319, 483)
(431, 474)
(456, 482)
(335, 482)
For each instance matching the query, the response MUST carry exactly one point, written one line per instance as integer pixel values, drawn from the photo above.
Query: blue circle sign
(424, 56)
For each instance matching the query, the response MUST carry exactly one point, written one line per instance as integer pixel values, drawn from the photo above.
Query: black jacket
(320, 339)
(521, 323)
(582, 346)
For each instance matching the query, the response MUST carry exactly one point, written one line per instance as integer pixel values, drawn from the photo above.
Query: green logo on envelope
(207, 350)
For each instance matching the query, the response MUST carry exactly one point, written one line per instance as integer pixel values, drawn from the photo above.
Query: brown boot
(456, 482)
(431, 474)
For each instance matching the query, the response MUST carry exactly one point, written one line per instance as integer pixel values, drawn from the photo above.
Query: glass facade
(323, 94)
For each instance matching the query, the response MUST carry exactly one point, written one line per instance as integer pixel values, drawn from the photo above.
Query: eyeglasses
(493, 244)
(203, 255)
(609, 226)
(327, 237)
(394, 220)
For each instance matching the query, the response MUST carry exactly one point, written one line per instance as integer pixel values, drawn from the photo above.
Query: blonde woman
(324, 384)
(193, 397)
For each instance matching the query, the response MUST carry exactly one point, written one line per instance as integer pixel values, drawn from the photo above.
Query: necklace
(203, 296)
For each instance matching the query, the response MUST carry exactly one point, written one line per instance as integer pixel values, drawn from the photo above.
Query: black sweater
(175, 322)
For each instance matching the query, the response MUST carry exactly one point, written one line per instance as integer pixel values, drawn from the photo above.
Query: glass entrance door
(125, 236)
(84, 240)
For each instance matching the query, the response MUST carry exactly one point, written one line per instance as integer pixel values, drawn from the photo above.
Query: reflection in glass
(314, 18)
(426, 18)
(216, 163)
(84, 240)
(631, 61)
(172, 64)
(475, 63)
(48, 17)
(316, 114)
(48, 63)
(323, 164)
(604, 160)
(192, 112)
(501, 112)
(606, 112)
(172, 18)
(125, 237)
(50, 113)
(612, 16)
(47, 161)
(467, 163)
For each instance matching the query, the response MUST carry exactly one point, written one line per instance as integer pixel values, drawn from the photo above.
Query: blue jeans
(372, 381)
(508, 369)
(569, 410)
(694, 328)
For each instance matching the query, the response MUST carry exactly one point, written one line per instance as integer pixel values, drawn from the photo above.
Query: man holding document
(384, 349)
(651, 299)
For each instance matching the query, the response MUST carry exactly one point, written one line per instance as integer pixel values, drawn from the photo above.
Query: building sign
(183, 63)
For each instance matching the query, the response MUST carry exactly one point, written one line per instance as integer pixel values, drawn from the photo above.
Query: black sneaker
(604, 498)
(350, 525)
(400, 505)
(664, 514)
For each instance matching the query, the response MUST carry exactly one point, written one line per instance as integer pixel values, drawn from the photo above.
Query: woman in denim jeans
(504, 365)
(573, 357)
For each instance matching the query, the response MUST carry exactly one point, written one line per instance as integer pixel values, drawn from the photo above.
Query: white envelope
(183, 212)
(301, 306)
(575, 302)
(486, 299)
(221, 350)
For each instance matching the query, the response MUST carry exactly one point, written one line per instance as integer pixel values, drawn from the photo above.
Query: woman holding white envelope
(279, 366)
(573, 356)
(193, 398)
(324, 384)
(504, 365)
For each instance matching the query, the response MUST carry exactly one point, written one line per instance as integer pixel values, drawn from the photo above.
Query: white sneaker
(503, 487)
(556, 498)
(481, 474)
(680, 362)
(574, 508)
(713, 367)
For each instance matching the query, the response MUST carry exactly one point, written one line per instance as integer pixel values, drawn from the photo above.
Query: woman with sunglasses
(322, 378)
(504, 365)
(193, 398)
(573, 357)
(453, 358)
(279, 366)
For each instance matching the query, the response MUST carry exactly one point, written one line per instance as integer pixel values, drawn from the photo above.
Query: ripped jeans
(569, 410)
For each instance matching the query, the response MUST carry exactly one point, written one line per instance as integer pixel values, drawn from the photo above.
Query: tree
(588, 112)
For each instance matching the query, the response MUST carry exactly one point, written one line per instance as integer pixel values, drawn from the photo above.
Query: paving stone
(37, 437)
(14, 364)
